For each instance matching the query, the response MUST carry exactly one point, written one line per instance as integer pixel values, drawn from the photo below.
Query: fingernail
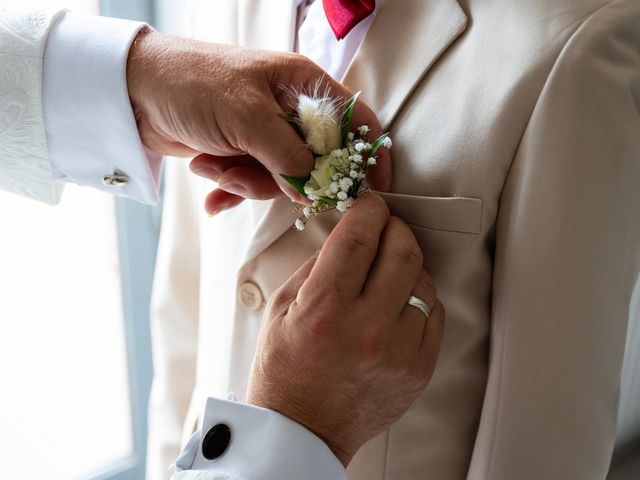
(234, 188)
(212, 212)
(208, 172)
(216, 209)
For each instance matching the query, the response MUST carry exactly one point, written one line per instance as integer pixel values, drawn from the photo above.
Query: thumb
(275, 144)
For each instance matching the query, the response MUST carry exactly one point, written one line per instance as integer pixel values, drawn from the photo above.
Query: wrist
(341, 453)
(139, 72)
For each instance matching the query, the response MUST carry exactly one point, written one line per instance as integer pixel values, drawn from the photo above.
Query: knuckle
(408, 370)
(372, 347)
(301, 61)
(357, 240)
(378, 205)
(425, 289)
(296, 66)
(287, 61)
(406, 248)
(279, 296)
(322, 320)
(429, 280)
(320, 325)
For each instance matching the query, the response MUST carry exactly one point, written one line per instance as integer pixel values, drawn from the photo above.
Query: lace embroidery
(25, 168)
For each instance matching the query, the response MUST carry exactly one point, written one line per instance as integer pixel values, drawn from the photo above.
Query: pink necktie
(343, 15)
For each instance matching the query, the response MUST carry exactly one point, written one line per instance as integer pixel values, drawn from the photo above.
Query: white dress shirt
(91, 130)
(89, 122)
(91, 134)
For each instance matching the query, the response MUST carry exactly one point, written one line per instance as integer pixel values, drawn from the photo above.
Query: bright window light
(64, 407)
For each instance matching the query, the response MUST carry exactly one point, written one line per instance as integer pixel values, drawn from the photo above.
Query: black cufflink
(216, 441)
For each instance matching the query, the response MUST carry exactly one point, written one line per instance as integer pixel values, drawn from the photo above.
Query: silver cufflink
(116, 179)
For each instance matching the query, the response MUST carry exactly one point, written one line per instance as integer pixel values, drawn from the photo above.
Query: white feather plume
(319, 120)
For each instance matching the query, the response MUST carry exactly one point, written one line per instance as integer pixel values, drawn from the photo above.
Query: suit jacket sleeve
(567, 257)
(25, 168)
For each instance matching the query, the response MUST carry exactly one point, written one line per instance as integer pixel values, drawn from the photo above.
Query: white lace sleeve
(25, 168)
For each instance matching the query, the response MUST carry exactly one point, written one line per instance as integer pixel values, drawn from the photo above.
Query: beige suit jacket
(516, 156)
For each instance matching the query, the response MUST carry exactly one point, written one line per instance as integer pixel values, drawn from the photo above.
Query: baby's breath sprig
(342, 156)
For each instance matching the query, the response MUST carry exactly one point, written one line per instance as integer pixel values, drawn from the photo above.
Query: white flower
(362, 146)
(322, 176)
(343, 206)
(345, 184)
(339, 166)
(319, 121)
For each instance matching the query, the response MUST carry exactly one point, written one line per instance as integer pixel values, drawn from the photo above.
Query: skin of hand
(340, 352)
(228, 105)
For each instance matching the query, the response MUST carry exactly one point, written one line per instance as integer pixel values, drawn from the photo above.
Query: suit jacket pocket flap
(450, 214)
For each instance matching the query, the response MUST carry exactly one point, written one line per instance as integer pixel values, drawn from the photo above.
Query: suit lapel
(403, 43)
(270, 25)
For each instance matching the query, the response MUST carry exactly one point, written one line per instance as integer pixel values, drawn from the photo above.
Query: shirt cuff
(262, 445)
(89, 122)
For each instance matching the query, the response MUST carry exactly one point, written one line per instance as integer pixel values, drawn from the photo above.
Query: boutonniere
(342, 156)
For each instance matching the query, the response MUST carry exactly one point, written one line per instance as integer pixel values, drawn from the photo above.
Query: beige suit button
(250, 296)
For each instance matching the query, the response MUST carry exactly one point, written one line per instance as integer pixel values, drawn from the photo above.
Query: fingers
(347, 254)
(410, 327)
(219, 200)
(212, 166)
(288, 291)
(248, 182)
(295, 281)
(275, 143)
(432, 339)
(241, 175)
(395, 270)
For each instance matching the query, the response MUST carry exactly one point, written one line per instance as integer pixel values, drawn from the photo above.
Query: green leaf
(297, 182)
(378, 143)
(345, 126)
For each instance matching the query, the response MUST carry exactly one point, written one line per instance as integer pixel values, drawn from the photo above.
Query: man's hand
(229, 105)
(340, 351)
